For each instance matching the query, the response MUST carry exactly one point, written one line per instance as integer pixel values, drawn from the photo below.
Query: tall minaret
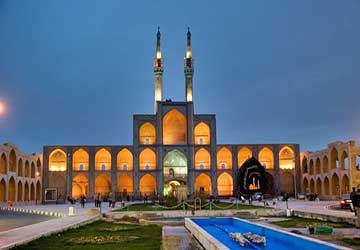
(188, 69)
(158, 70)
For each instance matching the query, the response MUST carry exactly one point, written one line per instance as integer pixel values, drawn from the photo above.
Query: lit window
(223, 165)
(202, 166)
(201, 140)
(81, 167)
(147, 140)
(125, 166)
(103, 167)
(147, 167)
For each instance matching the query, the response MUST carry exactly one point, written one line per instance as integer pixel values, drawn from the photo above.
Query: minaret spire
(188, 69)
(158, 70)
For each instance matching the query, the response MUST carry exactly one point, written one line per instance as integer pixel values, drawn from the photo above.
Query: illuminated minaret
(158, 70)
(188, 69)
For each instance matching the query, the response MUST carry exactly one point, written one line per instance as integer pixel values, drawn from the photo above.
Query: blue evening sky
(74, 72)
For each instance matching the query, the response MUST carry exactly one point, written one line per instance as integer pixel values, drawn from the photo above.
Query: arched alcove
(12, 161)
(147, 134)
(125, 185)
(124, 160)
(174, 128)
(80, 186)
(266, 158)
(3, 164)
(147, 159)
(286, 158)
(57, 161)
(243, 154)
(202, 159)
(225, 185)
(80, 160)
(103, 160)
(202, 134)
(103, 185)
(224, 158)
(147, 185)
(203, 184)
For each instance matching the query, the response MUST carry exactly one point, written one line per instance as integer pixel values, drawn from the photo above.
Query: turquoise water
(10, 220)
(274, 240)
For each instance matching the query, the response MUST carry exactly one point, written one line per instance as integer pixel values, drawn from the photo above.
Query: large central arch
(175, 168)
(174, 128)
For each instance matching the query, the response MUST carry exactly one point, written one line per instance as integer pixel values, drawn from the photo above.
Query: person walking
(353, 200)
(82, 200)
(96, 200)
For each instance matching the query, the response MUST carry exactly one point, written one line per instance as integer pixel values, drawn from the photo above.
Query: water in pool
(10, 220)
(274, 239)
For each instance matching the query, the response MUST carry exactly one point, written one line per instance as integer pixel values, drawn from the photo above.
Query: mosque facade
(174, 150)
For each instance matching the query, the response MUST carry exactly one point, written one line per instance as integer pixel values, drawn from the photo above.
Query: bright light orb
(2, 108)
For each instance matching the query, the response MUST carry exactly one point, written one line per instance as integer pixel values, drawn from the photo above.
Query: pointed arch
(80, 186)
(20, 168)
(225, 185)
(202, 159)
(345, 185)
(334, 159)
(147, 159)
(38, 191)
(202, 134)
(32, 192)
(266, 158)
(57, 161)
(286, 158)
(20, 192)
(224, 158)
(317, 166)
(3, 164)
(2, 190)
(325, 164)
(38, 167)
(326, 186)
(312, 186)
(147, 134)
(80, 160)
(26, 192)
(243, 154)
(304, 165)
(12, 190)
(32, 171)
(12, 161)
(27, 169)
(305, 185)
(102, 160)
(175, 164)
(203, 184)
(103, 185)
(311, 167)
(174, 128)
(335, 185)
(124, 160)
(125, 185)
(147, 185)
(318, 186)
(344, 160)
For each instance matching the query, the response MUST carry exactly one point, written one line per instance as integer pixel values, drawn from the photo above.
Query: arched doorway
(202, 134)
(3, 164)
(147, 159)
(26, 192)
(266, 158)
(335, 187)
(103, 185)
(174, 128)
(12, 190)
(32, 192)
(286, 158)
(175, 174)
(102, 160)
(312, 186)
(318, 186)
(80, 160)
(2, 191)
(305, 185)
(225, 185)
(202, 159)
(345, 185)
(203, 184)
(326, 186)
(80, 186)
(125, 185)
(334, 159)
(20, 192)
(147, 134)
(224, 159)
(38, 191)
(147, 185)
(124, 160)
(243, 154)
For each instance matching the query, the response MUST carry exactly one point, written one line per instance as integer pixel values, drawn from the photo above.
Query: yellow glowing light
(188, 54)
(287, 166)
(57, 168)
(158, 54)
(2, 108)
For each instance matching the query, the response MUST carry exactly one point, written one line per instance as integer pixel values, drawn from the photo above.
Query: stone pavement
(28, 233)
(177, 237)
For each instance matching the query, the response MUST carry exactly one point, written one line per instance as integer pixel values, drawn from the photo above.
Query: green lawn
(353, 241)
(302, 223)
(219, 206)
(101, 235)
